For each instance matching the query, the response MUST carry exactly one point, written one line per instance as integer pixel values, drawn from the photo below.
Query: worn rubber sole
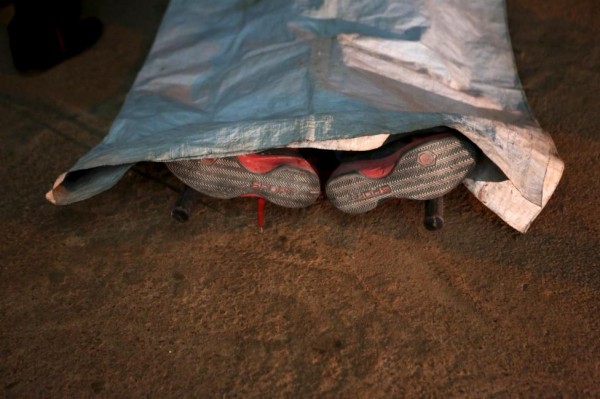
(427, 170)
(227, 178)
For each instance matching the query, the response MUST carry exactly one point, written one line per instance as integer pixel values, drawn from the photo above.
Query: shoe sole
(227, 178)
(426, 171)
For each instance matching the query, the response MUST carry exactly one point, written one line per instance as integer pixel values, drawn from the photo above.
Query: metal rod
(434, 214)
(182, 210)
(261, 213)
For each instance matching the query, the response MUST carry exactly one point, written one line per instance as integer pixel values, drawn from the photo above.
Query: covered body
(231, 77)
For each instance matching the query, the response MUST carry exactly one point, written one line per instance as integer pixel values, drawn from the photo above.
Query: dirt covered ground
(110, 297)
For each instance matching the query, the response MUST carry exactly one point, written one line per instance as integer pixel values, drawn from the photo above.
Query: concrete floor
(109, 297)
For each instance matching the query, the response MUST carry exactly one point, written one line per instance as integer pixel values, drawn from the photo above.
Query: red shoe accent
(264, 163)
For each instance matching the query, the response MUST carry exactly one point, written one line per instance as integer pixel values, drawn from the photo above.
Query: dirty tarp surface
(237, 76)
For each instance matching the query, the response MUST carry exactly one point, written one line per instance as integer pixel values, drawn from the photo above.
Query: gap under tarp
(240, 76)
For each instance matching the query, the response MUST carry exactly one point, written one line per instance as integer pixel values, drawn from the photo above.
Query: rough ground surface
(109, 297)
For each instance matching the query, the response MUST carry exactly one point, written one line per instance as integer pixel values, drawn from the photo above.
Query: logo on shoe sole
(376, 192)
(256, 185)
(426, 158)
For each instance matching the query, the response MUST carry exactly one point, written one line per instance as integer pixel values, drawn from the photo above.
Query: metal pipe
(182, 210)
(434, 214)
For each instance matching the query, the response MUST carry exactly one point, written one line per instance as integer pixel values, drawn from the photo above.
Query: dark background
(109, 297)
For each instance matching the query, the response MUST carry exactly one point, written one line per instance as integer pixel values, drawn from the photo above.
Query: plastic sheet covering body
(239, 76)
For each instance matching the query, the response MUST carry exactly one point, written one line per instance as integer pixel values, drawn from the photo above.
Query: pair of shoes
(424, 168)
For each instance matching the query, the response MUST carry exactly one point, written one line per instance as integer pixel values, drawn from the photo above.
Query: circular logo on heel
(426, 158)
